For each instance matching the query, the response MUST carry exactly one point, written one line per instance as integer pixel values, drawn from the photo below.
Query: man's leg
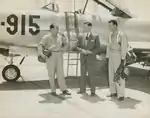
(121, 88)
(111, 78)
(91, 77)
(83, 78)
(60, 72)
(50, 62)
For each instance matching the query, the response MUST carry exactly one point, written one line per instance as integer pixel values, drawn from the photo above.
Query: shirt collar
(88, 34)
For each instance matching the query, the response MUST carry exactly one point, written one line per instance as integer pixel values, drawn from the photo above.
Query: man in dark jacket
(88, 45)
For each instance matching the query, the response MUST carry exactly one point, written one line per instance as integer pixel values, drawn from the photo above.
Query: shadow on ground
(48, 98)
(92, 99)
(128, 103)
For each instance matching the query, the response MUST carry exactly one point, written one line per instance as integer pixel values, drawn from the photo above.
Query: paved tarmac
(32, 98)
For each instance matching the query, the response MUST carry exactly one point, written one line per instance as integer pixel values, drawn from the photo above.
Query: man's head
(87, 26)
(54, 29)
(113, 25)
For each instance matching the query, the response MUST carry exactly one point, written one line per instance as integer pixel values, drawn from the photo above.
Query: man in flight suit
(55, 43)
(88, 45)
(116, 54)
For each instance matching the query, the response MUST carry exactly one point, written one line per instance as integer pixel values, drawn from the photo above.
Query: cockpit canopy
(52, 7)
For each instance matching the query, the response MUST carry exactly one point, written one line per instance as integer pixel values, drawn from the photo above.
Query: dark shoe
(80, 92)
(53, 93)
(112, 95)
(121, 98)
(93, 94)
(66, 92)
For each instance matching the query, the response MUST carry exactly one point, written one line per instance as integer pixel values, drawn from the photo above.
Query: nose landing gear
(11, 72)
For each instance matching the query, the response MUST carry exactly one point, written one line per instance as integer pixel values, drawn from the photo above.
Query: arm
(79, 47)
(42, 45)
(107, 51)
(108, 44)
(43, 51)
(124, 47)
(65, 43)
(44, 41)
(97, 45)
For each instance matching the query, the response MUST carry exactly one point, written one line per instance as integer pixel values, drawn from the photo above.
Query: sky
(139, 8)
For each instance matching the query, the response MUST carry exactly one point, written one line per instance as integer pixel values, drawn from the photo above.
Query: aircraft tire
(11, 73)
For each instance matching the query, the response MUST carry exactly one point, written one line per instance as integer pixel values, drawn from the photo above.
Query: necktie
(87, 36)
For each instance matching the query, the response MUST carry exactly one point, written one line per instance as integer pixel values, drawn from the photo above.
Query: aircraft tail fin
(52, 7)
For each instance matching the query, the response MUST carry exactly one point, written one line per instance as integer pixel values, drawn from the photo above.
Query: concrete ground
(32, 98)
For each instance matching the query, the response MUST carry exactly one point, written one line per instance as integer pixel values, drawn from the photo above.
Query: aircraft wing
(6, 49)
(142, 51)
(7, 45)
(121, 10)
(103, 4)
(141, 46)
(116, 11)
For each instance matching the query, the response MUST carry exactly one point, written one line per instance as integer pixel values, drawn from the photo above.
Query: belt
(58, 51)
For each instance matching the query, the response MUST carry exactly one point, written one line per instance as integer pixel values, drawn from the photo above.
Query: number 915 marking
(12, 21)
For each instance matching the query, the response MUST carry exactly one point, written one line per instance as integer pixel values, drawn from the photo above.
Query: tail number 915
(13, 23)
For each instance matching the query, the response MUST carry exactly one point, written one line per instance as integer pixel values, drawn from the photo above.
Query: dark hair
(88, 23)
(114, 22)
(52, 26)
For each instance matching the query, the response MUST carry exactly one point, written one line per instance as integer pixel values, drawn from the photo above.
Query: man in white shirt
(55, 43)
(116, 54)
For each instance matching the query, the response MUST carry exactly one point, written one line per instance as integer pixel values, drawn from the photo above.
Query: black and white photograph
(74, 59)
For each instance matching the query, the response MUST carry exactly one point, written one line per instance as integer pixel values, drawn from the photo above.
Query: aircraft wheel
(11, 73)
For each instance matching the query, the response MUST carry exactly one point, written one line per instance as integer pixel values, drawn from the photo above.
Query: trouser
(115, 87)
(55, 66)
(86, 67)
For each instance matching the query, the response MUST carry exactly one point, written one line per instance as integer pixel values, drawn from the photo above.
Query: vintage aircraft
(21, 31)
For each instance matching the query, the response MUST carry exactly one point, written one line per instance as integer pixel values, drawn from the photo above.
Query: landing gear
(11, 73)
